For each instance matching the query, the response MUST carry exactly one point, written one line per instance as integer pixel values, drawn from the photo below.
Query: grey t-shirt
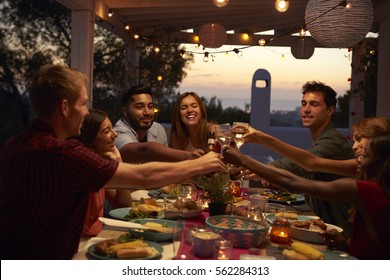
(126, 134)
(330, 144)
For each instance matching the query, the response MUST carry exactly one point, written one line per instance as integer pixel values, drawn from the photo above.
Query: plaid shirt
(44, 188)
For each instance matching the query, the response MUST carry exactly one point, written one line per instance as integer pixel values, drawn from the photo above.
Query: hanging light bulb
(302, 31)
(262, 42)
(346, 4)
(206, 57)
(136, 36)
(156, 49)
(220, 3)
(127, 26)
(245, 36)
(110, 13)
(183, 54)
(238, 52)
(159, 78)
(281, 5)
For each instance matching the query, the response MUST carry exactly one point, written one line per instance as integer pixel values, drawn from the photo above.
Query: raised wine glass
(223, 135)
(238, 131)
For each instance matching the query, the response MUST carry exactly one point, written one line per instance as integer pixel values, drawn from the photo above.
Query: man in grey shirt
(137, 123)
(317, 107)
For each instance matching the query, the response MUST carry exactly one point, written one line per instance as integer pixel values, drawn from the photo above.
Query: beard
(137, 125)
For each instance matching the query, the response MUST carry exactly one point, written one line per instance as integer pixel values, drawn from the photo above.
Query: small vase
(217, 208)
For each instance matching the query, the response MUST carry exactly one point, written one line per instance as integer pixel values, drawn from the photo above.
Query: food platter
(186, 215)
(308, 235)
(274, 197)
(120, 213)
(158, 247)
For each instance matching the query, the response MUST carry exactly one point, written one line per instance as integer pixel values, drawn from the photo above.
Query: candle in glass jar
(222, 256)
(223, 249)
(280, 231)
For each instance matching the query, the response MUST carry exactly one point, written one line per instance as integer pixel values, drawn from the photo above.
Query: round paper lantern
(303, 48)
(212, 35)
(333, 25)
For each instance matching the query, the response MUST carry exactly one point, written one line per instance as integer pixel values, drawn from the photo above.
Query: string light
(183, 54)
(245, 36)
(302, 31)
(281, 5)
(220, 3)
(262, 42)
(238, 52)
(206, 57)
(346, 4)
(159, 78)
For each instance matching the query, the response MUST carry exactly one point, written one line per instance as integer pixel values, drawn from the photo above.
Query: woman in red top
(370, 196)
(98, 135)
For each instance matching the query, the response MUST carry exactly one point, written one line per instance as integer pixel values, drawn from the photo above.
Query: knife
(131, 225)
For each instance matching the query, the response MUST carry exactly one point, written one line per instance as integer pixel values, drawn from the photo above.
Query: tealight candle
(280, 231)
(223, 249)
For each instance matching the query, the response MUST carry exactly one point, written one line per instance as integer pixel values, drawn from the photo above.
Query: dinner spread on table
(171, 225)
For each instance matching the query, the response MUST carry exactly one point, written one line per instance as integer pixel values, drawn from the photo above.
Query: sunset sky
(229, 77)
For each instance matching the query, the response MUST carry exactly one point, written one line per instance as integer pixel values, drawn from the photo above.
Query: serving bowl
(156, 236)
(242, 232)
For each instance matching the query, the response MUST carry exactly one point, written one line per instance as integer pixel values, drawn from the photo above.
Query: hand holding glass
(223, 133)
(238, 131)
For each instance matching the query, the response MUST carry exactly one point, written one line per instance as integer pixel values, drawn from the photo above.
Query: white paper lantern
(212, 35)
(303, 48)
(339, 27)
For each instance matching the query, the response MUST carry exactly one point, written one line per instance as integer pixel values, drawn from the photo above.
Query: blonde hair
(179, 137)
(51, 85)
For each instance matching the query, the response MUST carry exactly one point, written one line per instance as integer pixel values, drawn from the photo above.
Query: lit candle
(223, 249)
(222, 256)
(280, 231)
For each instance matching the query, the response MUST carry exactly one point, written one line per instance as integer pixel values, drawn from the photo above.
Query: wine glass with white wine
(238, 131)
(223, 135)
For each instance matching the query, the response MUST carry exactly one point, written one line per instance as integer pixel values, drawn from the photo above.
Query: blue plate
(156, 236)
(158, 247)
(120, 213)
(337, 255)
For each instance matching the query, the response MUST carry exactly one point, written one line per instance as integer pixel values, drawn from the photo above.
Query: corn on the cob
(308, 251)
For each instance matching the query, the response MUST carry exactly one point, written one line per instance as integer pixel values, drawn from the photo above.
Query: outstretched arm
(343, 190)
(156, 174)
(136, 152)
(303, 158)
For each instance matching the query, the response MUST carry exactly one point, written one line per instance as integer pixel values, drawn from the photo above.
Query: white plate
(310, 235)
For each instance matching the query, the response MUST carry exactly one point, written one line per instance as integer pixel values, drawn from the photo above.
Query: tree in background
(35, 32)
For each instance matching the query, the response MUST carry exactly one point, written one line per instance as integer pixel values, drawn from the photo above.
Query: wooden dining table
(182, 248)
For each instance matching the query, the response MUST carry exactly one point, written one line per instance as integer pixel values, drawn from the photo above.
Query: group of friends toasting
(72, 164)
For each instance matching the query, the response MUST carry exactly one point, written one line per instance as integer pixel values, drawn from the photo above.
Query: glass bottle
(211, 142)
